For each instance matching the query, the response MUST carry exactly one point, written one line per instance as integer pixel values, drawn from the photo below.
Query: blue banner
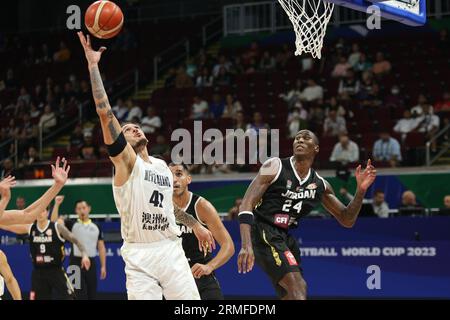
(378, 258)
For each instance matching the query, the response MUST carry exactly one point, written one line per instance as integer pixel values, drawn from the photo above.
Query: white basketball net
(310, 19)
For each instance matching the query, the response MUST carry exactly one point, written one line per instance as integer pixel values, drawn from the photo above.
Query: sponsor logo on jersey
(303, 194)
(154, 221)
(288, 184)
(311, 186)
(49, 232)
(42, 239)
(158, 179)
(290, 258)
(281, 220)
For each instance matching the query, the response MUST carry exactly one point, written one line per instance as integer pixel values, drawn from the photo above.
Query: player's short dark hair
(185, 167)
(378, 191)
(81, 200)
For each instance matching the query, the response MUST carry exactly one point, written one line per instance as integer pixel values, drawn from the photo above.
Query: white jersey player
(155, 264)
(7, 277)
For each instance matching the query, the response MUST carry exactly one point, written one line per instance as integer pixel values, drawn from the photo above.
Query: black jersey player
(284, 191)
(202, 265)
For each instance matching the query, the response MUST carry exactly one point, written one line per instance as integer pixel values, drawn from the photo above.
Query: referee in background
(91, 236)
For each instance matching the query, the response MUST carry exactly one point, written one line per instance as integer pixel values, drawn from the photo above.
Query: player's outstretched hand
(205, 238)
(5, 186)
(60, 174)
(59, 199)
(199, 270)
(365, 178)
(92, 56)
(85, 263)
(246, 259)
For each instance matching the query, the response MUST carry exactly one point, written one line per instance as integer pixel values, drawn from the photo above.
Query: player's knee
(297, 291)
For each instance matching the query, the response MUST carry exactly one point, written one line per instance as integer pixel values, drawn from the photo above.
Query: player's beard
(140, 145)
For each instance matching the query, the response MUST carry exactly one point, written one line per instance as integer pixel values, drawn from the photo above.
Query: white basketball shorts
(158, 269)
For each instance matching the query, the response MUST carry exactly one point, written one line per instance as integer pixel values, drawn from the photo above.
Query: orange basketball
(103, 19)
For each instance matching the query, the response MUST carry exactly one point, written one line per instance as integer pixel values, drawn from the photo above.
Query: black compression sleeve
(118, 146)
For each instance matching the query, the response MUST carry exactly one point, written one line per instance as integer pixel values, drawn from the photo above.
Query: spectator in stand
(409, 206)
(234, 210)
(334, 124)
(267, 62)
(7, 169)
(307, 63)
(239, 122)
(11, 81)
(312, 92)
(120, 110)
(232, 107)
(316, 117)
(77, 137)
(251, 67)
(345, 151)
(293, 95)
(151, 122)
(237, 67)
(251, 54)
(363, 64)
(297, 120)
(354, 57)
(341, 68)
(334, 103)
(48, 119)
(182, 79)
(200, 109)
(28, 133)
(222, 63)
(374, 98)
(88, 150)
(445, 211)
(21, 203)
(257, 124)
(134, 111)
(422, 102)
(45, 55)
(217, 106)
(34, 112)
(204, 79)
(85, 94)
(30, 158)
(429, 124)
(387, 149)
(366, 85)
(63, 54)
(24, 96)
(379, 206)
(394, 99)
(170, 80)
(381, 66)
(349, 84)
(223, 78)
(161, 148)
(406, 124)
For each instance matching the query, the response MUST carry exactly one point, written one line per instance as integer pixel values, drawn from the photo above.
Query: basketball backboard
(410, 12)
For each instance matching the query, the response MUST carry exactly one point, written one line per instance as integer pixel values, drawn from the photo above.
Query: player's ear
(189, 179)
(316, 148)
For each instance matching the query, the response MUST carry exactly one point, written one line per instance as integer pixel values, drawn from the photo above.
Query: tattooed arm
(347, 215)
(69, 236)
(111, 128)
(253, 195)
(205, 238)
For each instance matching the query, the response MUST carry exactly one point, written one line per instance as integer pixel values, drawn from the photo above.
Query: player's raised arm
(10, 280)
(120, 152)
(30, 213)
(5, 192)
(69, 236)
(253, 195)
(346, 215)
